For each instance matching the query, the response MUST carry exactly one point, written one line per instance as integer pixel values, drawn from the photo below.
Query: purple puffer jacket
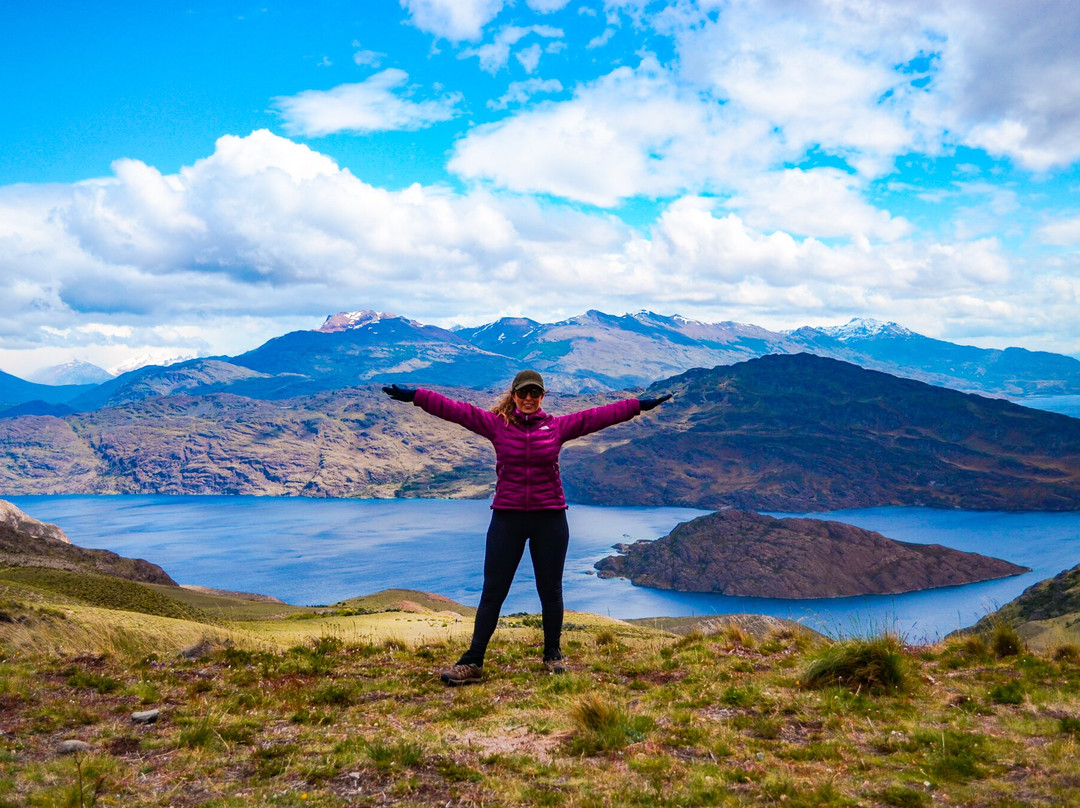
(527, 454)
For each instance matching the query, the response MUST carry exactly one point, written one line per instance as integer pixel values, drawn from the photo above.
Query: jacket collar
(537, 416)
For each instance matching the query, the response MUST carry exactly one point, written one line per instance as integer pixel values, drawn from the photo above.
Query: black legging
(548, 536)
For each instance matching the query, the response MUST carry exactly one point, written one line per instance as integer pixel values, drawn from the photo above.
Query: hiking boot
(560, 665)
(462, 674)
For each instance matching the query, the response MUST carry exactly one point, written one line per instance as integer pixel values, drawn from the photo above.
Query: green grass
(106, 591)
(333, 714)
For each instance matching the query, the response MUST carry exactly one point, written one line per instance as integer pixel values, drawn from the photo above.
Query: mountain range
(592, 352)
(781, 432)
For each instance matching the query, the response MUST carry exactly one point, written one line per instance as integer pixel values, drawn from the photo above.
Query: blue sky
(180, 179)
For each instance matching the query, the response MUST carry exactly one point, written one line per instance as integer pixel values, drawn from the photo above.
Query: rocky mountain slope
(805, 433)
(745, 554)
(797, 433)
(347, 443)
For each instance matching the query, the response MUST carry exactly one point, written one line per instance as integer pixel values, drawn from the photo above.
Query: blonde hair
(506, 408)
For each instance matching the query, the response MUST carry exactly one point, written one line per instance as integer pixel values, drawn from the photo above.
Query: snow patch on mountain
(865, 328)
(348, 320)
(148, 360)
(76, 371)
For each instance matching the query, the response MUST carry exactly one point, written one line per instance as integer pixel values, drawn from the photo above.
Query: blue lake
(320, 551)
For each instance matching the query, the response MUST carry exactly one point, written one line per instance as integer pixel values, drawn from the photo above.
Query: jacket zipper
(528, 464)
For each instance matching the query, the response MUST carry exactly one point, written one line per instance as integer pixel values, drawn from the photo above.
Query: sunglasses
(529, 392)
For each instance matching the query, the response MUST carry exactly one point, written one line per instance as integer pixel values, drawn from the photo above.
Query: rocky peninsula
(746, 554)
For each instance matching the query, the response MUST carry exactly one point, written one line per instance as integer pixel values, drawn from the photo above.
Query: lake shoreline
(313, 551)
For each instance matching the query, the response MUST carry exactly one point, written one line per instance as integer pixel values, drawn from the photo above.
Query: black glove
(400, 393)
(648, 403)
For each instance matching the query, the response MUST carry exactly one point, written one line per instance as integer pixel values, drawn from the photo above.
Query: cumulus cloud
(456, 20)
(871, 79)
(376, 104)
(822, 74)
(1011, 77)
(821, 202)
(633, 132)
(367, 58)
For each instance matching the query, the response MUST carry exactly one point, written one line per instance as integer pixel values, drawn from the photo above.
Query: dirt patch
(518, 741)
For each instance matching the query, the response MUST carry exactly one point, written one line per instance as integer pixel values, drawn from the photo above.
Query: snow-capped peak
(345, 320)
(864, 328)
(147, 360)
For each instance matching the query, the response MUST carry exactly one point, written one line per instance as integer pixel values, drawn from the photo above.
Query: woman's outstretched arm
(467, 415)
(586, 422)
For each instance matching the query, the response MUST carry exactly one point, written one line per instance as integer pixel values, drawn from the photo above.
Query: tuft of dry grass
(874, 665)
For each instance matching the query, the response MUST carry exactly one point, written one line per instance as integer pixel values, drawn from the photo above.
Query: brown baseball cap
(528, 378)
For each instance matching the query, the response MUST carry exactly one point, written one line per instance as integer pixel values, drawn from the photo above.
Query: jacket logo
(545, 428)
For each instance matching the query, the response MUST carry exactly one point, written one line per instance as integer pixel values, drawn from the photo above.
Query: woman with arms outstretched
(529, 505)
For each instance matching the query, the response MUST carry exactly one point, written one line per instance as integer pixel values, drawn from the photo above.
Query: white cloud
(601, 39)
(821, 202)
(494, 55)
(1010, 78)
(367, 58)
(1063, 232)
(373, 105)
(546, 6)
(530, 57)
(455, 20)
(994, 74)
(633, 132)
(1013, 138)
(520, 92)
(822, 73)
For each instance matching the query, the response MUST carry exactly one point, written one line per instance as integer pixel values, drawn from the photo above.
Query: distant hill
(343, 443)
(349, 350)
(806, 433)
(201, 376)
(745, 554)
(14, 390)
(74, 372)
(892, 349)
(1045, 614)
(37, 408)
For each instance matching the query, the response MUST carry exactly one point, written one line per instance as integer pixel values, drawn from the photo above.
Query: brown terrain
(751, 555)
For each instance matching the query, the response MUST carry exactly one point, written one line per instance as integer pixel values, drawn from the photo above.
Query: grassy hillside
(1046, 614)
(335, 707)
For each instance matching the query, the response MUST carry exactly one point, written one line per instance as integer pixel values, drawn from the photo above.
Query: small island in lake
(746, 554)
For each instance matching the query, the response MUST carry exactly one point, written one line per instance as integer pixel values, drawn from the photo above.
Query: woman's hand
(648, 403)
(400, 393)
